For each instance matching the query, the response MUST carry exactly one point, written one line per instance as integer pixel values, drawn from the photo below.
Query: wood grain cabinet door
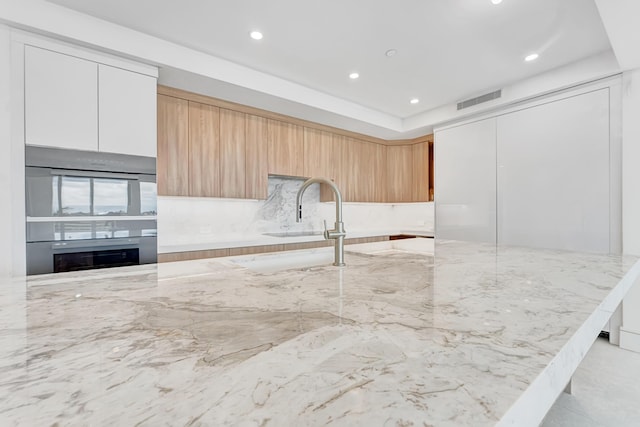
(173, 146)
(204, 150)
(256, 169)
(232, 153)
(400, 173)
(420, 180)
(370, 172)
(320, 159)
(286, 148)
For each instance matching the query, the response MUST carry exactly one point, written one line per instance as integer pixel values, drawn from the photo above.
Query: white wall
(620, 18)
(11, 168)
(631, 161)
(5, 148)
(630, 330)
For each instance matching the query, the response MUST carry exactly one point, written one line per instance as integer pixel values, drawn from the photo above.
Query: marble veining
(392, 339)
(278, 212)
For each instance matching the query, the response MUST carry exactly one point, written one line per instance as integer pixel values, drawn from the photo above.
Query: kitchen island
(475, 335)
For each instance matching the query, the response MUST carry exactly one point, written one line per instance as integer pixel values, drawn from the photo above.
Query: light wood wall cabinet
(204, 150)
(173, 146)
(319, 159)
(285, 148)
(232, 153)
(372, 172)
(362, 170)
(400, 173)
(213, 148)
(420, 178)
(256, 182)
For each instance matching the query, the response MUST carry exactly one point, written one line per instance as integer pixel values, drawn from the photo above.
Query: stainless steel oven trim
(56, 158)
(94, 174)
(91, 218)
(94, 243)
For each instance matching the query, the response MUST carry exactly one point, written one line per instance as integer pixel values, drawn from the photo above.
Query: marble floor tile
(606, 391)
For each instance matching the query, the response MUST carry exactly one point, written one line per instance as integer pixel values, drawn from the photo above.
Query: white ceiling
(448, 50)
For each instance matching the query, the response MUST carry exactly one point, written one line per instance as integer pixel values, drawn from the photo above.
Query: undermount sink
(306, 258)
(417, 245)
(294, 233)
(279, 261)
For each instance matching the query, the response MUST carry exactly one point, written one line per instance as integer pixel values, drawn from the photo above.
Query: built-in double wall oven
(89, 210)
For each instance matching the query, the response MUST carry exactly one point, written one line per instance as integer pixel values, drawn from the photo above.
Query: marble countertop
(475, 335)
(266, 239)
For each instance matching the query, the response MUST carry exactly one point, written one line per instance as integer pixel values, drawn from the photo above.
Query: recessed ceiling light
(496, 1)
(391, 52)
(531, 57)
(354, 76)
(256, 35)
(414, 101)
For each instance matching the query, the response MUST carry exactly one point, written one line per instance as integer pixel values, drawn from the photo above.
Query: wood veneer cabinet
(319, 159)
(372, 172)
(361, 174)
(232, 153)
(285, 148)
(344, 164)
(420, 179)
(353, 179)
(399, 173)
(173, 146)
(204, 150)
(213, 148)
(256, 173)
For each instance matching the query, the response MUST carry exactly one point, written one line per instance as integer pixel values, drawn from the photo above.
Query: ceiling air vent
(480, 99)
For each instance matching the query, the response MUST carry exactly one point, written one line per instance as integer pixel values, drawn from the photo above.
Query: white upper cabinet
(84, 100)
(61, 100)
(127, 112)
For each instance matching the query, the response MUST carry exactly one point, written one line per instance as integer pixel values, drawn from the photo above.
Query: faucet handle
(326, 232)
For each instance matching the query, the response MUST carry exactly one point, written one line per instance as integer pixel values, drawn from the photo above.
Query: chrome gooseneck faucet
(338, 232)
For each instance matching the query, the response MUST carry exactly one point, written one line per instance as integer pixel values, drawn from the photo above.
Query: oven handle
(96, 243)
(94, 174)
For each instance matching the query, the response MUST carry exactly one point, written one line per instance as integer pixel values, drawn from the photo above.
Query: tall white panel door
(553, 174)
(127, 111)
(465, 182)
(61, 100)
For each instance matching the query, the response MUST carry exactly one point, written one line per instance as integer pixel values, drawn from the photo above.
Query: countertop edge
(534, 404)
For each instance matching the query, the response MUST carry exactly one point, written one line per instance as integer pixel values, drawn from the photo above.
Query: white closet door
(553, 174)
(465, 182)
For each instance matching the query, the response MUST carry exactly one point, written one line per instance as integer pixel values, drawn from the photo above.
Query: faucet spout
(338, 234)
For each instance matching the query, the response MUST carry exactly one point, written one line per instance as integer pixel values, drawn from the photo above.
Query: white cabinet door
(61, 100)
(465, 182)
(553, 174)
(127, 111)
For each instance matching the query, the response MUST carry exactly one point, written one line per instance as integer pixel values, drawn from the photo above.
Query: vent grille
(480, 99)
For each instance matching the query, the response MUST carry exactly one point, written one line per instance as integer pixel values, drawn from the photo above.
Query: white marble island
(473, 336)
